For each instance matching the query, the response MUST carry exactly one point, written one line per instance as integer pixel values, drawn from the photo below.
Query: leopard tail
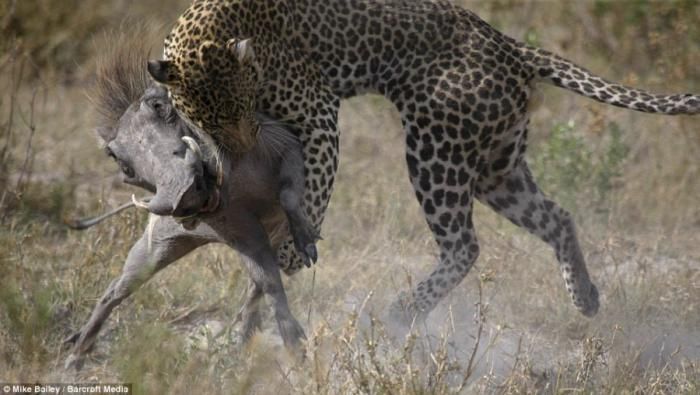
(560, 72)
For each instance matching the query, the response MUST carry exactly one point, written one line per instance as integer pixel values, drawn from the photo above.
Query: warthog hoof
(72, 339)
(74, 362)
(305, 243)
(311, 252)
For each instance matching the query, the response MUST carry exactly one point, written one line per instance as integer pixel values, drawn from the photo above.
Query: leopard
(463, 89)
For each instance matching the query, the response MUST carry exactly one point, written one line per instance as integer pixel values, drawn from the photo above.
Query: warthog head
(154, 147)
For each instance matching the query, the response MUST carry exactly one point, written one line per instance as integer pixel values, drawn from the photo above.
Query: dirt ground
(631, 180)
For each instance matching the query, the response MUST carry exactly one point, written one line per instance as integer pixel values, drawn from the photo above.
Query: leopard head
(215, 86)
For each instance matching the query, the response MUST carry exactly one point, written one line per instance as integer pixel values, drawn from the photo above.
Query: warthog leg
(264, 271)
(169, 243)
(249, 314)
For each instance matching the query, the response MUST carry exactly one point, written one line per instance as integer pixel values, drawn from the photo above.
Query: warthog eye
(161, 108)
(157, 106)
(128, 171)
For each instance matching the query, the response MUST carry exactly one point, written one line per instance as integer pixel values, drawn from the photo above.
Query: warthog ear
(242, 49)
(160, 71)
(106, 133)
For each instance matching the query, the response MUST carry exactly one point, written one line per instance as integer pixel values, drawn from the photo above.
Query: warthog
(250, 202)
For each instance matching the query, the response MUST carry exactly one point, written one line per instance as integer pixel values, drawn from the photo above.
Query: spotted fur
(462, 88)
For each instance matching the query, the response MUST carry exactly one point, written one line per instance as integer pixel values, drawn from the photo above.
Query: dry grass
(509, 328)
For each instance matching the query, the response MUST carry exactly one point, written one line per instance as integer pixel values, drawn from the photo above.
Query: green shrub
(567, 167)
(25, 315)
(59, 35)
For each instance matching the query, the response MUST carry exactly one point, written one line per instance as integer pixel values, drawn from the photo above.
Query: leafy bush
(58, 35)
(567, 165)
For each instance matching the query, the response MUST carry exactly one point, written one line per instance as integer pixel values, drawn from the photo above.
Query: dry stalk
(13, 65)
(479, 318)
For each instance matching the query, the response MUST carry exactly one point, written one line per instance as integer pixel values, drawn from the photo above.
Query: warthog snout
(182, 191)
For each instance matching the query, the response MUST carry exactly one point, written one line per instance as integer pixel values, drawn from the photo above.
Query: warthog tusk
(192, 144)
(219, 172)
(138, 203)
(152, 219)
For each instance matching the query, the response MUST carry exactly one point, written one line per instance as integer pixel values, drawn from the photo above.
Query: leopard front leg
(291, 199)
(314, 120)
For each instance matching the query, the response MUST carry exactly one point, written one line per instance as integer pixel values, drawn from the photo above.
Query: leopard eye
(110, 153)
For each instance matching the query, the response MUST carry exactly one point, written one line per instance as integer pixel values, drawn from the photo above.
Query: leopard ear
(242, 49)
(206, 52)
(160, 70)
